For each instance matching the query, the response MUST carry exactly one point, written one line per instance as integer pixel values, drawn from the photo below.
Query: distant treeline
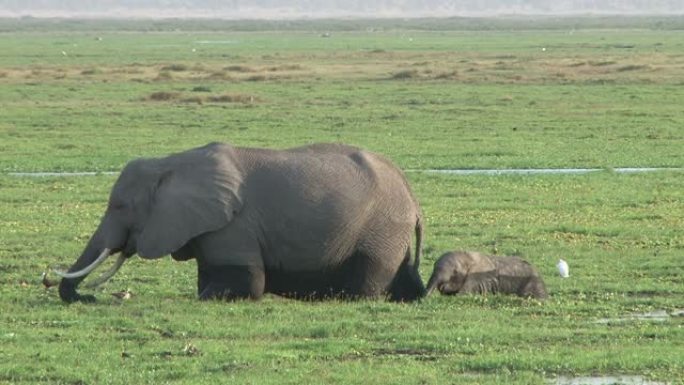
(27, 24)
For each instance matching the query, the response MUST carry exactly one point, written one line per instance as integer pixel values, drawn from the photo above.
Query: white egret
(563, 268)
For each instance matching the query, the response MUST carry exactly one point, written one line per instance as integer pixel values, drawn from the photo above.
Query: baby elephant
(459, 272)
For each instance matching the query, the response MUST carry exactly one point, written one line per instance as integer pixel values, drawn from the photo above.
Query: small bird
(46, 282)
(190, 350)
(125, 294)
(563, 268)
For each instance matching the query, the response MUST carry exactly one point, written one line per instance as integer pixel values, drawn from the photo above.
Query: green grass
(595, 98)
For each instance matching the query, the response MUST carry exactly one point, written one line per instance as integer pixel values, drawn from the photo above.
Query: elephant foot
(68, 294)
(407, 285)
(214, 291)
(218, 292)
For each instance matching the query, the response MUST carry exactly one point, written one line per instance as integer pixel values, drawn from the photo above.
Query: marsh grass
(164, 96)
(285, 67)
(163, 76)
(239, 68)
(159, 334)
(633, 67)
(219, 75)
(233, 98)
(508, 104)
(479, 68)
(257, 78)
(175, 67)
(167, 96)
(405, 74)
(201, 89)
(91, 71)
(447, 75)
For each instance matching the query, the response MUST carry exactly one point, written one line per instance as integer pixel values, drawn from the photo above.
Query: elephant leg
(473, 286)
(231, 282)
(371, 277)
(203, 279)
(481, 283)
(407, 285)
(185, 253)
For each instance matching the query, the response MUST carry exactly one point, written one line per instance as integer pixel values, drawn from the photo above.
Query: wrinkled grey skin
(462, 272)
(309, 222)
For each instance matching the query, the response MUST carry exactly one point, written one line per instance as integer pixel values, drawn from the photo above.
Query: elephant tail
(407, 285)
(419, 242)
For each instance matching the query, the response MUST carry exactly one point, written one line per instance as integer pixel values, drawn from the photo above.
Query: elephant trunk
(93, 255)
(67, 287)
(433, 282)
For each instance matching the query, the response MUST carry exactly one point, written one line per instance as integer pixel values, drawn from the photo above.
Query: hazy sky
(283, 9)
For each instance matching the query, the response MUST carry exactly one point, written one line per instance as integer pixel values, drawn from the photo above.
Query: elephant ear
(195, 192)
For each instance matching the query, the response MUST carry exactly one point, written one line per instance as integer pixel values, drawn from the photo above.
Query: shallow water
(653, 316)
(44, 174)
(604, 380)
(529, 171)
(216, 41)
(519, 171)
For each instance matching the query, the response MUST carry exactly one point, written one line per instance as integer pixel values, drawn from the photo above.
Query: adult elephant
(314, 221)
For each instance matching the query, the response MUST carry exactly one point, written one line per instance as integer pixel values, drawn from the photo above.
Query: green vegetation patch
(452, 99)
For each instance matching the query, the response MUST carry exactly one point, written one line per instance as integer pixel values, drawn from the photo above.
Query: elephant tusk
(109, 273)
(76, 274)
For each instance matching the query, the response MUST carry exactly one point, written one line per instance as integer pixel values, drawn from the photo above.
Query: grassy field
(84, 97)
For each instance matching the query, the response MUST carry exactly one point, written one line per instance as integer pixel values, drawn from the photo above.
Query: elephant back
(321, 203)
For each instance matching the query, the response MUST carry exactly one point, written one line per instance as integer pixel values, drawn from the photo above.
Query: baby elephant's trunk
(432, 284)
